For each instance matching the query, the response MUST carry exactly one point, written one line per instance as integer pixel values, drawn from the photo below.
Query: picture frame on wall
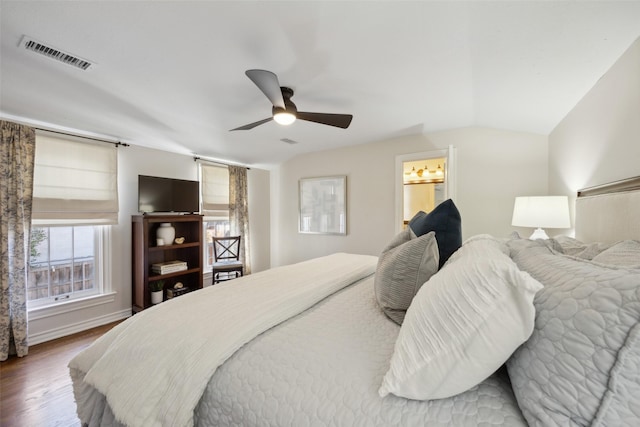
(323, 205)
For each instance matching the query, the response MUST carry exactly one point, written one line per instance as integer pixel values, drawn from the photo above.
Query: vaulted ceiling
(171, 74)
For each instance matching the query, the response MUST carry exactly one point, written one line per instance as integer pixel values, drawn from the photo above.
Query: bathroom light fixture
(541, 211)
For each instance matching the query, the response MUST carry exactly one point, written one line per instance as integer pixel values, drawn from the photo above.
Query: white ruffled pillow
(463, 324)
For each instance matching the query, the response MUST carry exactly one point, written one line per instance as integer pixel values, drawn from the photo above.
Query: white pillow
(462, 325)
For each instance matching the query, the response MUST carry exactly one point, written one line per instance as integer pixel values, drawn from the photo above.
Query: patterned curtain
(239, 212)
(17, 153)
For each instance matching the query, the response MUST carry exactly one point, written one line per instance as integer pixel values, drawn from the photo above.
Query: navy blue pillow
(446, 222)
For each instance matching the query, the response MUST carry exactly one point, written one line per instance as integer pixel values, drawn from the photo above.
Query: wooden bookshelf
(144, 253)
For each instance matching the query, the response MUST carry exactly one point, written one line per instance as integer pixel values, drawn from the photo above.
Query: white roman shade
(215, 190)
(75, 181)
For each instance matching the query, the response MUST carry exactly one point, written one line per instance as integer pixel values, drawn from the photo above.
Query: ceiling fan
(284, 111)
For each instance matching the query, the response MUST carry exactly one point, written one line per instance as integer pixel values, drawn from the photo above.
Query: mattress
(323, 367)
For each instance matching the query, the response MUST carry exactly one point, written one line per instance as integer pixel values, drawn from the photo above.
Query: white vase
(156, 297)
(166, 232)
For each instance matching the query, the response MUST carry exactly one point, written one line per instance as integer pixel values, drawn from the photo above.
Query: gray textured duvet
(323, 368)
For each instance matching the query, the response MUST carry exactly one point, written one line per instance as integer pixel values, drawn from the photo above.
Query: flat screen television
(156, 194)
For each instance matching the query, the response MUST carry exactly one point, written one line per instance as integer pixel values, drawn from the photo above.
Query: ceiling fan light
(284, 118)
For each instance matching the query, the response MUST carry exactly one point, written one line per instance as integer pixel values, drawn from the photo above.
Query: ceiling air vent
(289, 141)
(53, 53)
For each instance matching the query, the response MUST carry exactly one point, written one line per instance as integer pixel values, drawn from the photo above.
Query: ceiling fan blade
(338, 120)
(268, 83)
(254, 124)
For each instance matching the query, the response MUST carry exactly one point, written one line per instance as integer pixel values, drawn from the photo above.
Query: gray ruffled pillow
(403, 267)
(576, 248)
(624, 254)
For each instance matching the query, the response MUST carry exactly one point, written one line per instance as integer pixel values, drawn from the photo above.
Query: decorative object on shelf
(177, 290)
(541, 211)
(159, 242)
(166, 232)
(179, 240)
(157, 288)
(169, 267)
(323, 205)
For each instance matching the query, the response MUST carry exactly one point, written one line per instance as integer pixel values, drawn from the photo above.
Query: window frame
(102, 273)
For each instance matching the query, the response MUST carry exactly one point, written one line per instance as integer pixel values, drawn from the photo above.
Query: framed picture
(323, 205)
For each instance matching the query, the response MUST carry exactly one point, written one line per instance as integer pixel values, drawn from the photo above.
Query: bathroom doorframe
(449, 182)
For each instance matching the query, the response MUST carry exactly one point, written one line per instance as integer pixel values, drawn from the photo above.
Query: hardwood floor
(36, 390)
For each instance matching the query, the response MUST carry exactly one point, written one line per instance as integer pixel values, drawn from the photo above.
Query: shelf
(174, 246)
(174, 274)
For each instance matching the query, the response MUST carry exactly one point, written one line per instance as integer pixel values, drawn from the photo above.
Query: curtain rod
(116, 143)
(196, 158)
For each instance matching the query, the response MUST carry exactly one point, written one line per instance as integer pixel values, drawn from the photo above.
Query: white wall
(259, 193)
(493, 167)
(596, 142)
(599, 140)
(134, 161)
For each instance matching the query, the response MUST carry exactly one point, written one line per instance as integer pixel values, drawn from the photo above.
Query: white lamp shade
(541, 211)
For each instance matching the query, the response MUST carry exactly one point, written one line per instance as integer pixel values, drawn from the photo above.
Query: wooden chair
(227, 264)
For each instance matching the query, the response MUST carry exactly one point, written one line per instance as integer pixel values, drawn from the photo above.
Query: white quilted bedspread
(154, 367)
(324, 367)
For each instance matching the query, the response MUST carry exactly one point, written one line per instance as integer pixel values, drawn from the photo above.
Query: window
(62, 264)
(214, 228)
(75, 201)
(215, 206)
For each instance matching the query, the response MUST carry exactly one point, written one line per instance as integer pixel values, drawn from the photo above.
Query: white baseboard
(53, 334)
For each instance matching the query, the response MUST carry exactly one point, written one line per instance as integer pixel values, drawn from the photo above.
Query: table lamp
(541, 211)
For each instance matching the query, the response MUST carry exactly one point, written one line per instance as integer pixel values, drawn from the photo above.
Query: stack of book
(176, 292)
(169, 267)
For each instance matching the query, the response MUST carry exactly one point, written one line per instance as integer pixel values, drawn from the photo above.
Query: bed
(436, 332)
